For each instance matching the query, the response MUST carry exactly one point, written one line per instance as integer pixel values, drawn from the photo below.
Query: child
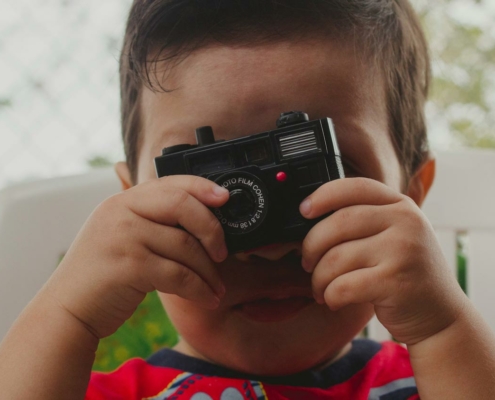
(278, 322)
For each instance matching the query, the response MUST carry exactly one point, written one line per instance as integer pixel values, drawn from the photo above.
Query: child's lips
(274, 308)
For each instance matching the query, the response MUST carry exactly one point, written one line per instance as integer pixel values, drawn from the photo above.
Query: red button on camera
(281, 176)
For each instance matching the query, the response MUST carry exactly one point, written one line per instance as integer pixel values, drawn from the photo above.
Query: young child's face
(242, 91)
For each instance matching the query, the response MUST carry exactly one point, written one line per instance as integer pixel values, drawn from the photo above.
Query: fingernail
(215, 302)
(219, 191)
(305, 207)
(221, 290)
(305, 265)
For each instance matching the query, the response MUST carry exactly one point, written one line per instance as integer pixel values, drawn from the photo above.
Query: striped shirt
(369, 371)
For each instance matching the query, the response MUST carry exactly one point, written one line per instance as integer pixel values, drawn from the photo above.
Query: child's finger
(350, 223)
(356, 287)
(342, 259)
(180, 246)
(175, 206)
(174, 278)
(347, 192)
(206, 191)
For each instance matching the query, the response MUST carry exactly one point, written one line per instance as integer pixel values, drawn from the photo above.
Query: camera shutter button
(204, 136)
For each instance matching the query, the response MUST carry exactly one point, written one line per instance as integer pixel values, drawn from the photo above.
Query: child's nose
(272, 252)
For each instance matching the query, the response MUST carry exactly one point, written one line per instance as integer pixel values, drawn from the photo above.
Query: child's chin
(275, 362)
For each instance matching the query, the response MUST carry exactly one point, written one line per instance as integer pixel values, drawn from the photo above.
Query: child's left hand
(378, 247)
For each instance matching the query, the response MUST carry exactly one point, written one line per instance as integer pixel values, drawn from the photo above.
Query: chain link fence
(59, 98)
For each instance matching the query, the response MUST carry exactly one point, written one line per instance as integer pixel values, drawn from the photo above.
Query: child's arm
(458, 362)
(379, 248)
(129, 246)
(47, 354)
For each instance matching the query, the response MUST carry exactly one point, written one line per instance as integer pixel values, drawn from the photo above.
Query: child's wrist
(451, 320)
(50, 307)
(463, 354)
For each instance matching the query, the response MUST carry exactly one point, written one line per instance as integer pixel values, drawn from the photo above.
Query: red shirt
(370, 371)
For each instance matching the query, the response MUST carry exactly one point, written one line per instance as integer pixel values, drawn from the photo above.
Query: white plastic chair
(38, 221)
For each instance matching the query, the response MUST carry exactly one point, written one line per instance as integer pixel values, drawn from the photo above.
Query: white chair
(38, 221)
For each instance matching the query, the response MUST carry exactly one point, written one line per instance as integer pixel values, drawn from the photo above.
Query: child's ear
(422, 180)
(122, 171)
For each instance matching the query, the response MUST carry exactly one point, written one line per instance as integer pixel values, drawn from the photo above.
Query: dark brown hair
(387, 32)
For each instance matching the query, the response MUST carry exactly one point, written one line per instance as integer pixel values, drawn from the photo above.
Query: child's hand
(379, 248)
(131, 245)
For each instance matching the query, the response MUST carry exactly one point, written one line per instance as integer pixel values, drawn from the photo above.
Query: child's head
(235, 65)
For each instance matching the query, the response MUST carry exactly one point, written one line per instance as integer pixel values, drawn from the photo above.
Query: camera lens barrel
(247, 207)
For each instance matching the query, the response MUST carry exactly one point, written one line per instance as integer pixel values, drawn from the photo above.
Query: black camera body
(268, 175)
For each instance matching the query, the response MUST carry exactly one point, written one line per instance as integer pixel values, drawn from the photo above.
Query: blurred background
(59, 98)
(59, 105)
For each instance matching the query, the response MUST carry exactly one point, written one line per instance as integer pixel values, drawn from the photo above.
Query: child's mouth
(271, 309)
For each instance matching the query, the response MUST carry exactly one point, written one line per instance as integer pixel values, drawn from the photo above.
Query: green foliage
(462, 260)
(148, 330)
(462, 271)
(463, 57)
(4, 103)
(99, 162)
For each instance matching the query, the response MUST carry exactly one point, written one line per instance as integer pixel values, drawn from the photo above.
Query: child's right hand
(131, 245)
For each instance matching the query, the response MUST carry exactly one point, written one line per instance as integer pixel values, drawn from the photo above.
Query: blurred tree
(461, 34)
(100, 162)
(5, 102)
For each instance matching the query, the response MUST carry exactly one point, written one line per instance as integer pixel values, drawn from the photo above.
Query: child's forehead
(241, 91)
(225, 85)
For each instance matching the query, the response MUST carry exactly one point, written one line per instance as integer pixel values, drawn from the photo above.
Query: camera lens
(247, 206)
(241, 205)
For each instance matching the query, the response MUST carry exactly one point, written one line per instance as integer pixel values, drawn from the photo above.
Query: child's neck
(184, 348)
